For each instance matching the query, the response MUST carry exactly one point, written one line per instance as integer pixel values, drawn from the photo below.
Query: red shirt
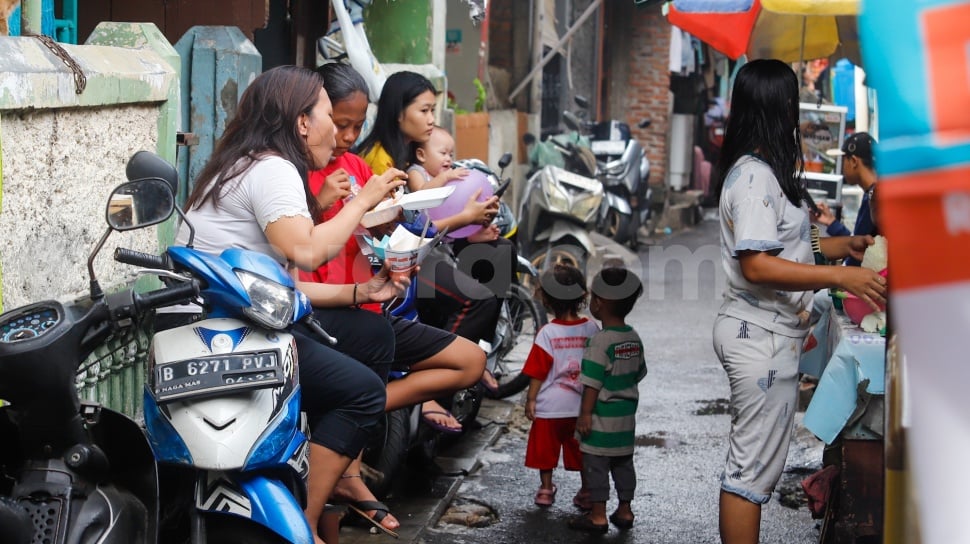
(350, 265)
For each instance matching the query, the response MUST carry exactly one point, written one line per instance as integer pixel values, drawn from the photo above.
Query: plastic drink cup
(402, 264)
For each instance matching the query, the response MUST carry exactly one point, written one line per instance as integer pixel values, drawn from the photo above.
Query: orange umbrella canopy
(789, 30)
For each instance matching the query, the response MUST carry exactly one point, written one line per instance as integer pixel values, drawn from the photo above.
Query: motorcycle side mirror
(140, 203)
(571, 120)
(148, 165)
(145, 164)
(505, 160)
(644, 124)
(582, 101)
(132, 205)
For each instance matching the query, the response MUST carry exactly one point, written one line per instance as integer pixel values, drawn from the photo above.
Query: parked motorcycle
(74, 471)
(519, 320)
(560, 201)
(624, 169)
(222, 398)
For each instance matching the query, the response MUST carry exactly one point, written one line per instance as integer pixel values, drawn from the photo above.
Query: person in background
(431, 167)
(251, 194)
(767, 254)
(553, 365)
(858, 168)
(448, 297)
(437, 361)
(431, 164)
(613, 365)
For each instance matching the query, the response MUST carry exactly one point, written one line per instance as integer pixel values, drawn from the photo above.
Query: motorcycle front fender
(562, 230)
(617, 202)
(265, 501)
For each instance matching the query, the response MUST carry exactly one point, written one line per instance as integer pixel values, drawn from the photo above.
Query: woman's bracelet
(355, 294)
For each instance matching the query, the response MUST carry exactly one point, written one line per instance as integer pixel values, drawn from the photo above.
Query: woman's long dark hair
(265, 124)
(763, 121)
(400, 90)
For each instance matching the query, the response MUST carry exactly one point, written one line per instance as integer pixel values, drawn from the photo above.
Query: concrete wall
(63, 152)
(504, 135)
(461, 59)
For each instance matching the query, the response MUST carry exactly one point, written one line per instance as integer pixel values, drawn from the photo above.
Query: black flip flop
(381, 511)
(583, 523)
(622, 524)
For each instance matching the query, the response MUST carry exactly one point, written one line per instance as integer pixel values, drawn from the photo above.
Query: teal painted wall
(219, 63)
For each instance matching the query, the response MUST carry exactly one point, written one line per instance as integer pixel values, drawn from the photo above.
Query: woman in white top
(252, 194)
(767, 253)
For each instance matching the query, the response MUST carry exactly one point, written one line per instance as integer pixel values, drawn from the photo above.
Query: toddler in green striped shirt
(613, 365)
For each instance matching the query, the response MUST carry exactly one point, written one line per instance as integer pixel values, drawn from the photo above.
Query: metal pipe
(801, 54)
(598, 80)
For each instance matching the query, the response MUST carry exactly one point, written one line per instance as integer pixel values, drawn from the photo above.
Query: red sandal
(545, 497)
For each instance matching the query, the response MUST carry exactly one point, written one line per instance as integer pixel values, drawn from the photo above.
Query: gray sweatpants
(762, 367)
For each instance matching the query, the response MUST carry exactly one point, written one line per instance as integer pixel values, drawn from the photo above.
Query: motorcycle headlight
(556, 195)
(584, 209)
(615, 168)
(271, 303)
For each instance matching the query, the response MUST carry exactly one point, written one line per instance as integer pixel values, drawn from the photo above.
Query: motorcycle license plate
(607, 147)
(216, 375)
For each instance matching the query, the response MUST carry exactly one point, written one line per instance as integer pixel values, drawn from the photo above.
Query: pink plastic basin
(856, 308)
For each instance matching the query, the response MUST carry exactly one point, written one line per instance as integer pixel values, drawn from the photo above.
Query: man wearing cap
(858, 168)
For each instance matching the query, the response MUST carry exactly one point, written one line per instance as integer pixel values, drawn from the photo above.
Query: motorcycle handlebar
(502, 188)
(167, 297)
(145, 260)
(565, 148)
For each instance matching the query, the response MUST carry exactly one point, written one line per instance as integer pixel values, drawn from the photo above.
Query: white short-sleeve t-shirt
(756, 215)
(269, 189)
(556, 359)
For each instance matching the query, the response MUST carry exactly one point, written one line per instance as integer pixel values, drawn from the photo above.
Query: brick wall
(636, 77)
(637, 45)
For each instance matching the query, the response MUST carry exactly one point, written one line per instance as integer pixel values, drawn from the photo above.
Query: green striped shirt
(613, 364)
